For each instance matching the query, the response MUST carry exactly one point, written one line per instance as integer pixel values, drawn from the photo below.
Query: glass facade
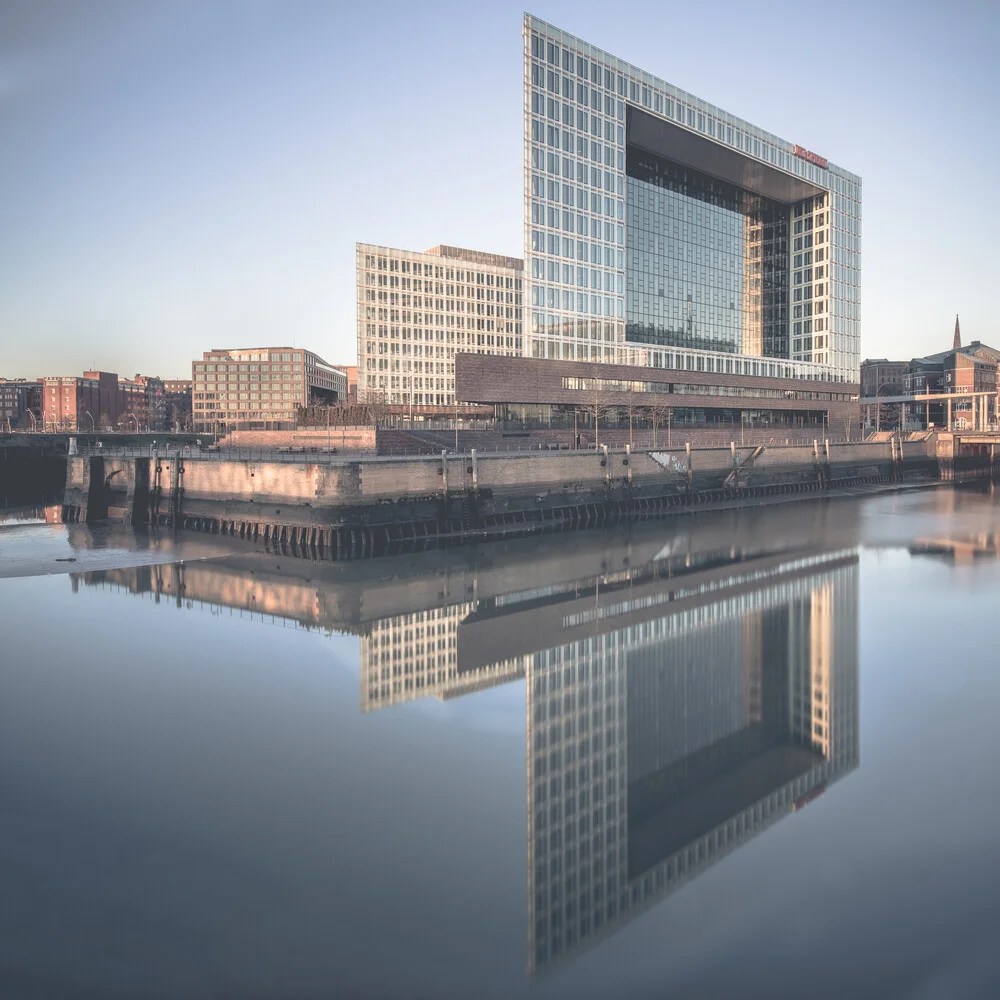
(706, 262)
(628, 250)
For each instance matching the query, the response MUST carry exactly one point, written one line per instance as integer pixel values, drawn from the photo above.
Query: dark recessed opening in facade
(671, 142)
(707, 243)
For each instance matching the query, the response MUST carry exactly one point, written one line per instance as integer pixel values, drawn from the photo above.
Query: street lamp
(93, 425)
(878, 405)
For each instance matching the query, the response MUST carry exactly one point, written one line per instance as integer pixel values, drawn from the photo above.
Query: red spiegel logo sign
(806, 154)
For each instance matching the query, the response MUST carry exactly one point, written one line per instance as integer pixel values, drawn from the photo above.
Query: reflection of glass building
(680, 697)
(403, 653)
(959, 550)
(676, 730)
(665, 232)
(416, 655)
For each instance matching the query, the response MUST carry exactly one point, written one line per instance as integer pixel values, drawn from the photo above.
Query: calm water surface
(746, 754)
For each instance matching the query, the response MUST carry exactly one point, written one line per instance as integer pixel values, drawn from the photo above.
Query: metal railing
(524, 451)
(312, 456)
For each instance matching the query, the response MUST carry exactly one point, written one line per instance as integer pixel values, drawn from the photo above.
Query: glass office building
(662, 231)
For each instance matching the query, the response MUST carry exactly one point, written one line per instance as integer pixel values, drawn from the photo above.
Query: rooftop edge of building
(215, 352)
(480, 257)
(538, 24)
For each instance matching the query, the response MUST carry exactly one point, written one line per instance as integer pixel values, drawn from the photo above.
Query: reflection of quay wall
(218, 585)
(407, 655)
(348, 596)
(656, 749)
(51, 514)
(467, 595)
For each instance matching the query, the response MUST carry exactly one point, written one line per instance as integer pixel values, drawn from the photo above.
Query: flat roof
(674, 142)
(442, 252)
(477, 257)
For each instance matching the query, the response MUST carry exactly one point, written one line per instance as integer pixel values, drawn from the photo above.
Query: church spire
(958, 336)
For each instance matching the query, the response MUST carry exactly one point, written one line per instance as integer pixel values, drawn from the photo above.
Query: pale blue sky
(182, 175)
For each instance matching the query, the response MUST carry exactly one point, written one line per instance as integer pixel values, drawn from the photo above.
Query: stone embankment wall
(353, 505)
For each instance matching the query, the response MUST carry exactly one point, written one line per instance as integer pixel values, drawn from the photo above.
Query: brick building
(73, 403)
(351, 371)
(748, 392)
(880, 374)
(20, 404)
(102, 401)
(149, 403)
(177, 400)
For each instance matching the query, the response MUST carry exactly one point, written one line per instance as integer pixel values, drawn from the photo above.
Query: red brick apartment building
(102, 401)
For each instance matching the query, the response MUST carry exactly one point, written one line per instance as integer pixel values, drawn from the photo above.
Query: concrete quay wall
(353, 505)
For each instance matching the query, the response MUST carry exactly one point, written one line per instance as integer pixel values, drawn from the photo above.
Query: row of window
(665, 388)
(254, 356)
(616, 83)
(395, 315)
(444, 291)
(396, 265)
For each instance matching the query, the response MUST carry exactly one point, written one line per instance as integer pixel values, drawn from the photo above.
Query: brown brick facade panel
(483, 378)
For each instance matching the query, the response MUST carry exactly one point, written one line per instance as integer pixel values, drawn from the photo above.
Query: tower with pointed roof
(958, 336)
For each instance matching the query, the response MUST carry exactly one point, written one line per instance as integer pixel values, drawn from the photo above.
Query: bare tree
(378, 406)
(659, 413)
(597, 405)
(142, 415)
